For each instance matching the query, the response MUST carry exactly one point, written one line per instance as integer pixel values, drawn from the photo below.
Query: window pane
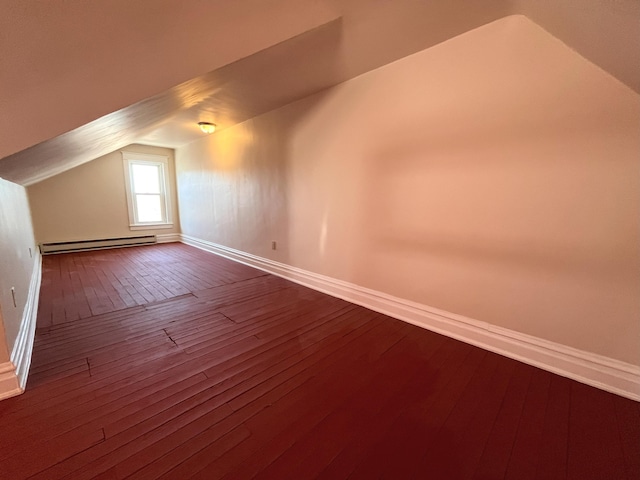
(149, 209)
(146, 178)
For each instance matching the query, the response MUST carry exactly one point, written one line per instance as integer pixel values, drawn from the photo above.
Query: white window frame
(132, 158)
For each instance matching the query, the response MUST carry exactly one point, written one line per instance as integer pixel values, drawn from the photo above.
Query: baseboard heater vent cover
(82, 245)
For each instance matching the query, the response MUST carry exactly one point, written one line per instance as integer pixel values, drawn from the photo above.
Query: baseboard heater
(82, 245)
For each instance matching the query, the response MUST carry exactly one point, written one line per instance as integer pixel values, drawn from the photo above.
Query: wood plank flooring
(168, 362)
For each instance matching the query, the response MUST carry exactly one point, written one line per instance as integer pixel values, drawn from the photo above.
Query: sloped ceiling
(81, 79)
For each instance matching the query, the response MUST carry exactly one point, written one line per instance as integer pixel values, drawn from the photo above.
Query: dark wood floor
(169, 362)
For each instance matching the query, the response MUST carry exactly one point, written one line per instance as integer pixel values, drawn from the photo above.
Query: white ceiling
(338, 40)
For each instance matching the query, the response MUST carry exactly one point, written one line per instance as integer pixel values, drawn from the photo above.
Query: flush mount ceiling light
(207, 127)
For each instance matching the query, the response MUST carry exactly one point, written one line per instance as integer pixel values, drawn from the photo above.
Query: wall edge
(13, 374)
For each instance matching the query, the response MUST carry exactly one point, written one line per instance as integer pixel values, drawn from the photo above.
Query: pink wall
(492, 176)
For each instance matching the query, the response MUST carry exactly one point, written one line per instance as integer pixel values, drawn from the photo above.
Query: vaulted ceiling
(81, 79)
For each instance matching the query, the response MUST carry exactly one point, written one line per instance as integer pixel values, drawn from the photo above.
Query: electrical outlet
(273, 245)
(13, 295)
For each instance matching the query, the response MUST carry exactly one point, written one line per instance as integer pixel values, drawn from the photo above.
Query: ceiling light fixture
(207, 127)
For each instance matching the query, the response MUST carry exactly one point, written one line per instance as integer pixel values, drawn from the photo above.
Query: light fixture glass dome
(207, 127)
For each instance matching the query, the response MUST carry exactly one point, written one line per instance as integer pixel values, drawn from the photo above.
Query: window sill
(150, 226)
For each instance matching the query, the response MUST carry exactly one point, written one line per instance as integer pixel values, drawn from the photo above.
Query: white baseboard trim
(9, 383)
(592, 369)
(168, 237)
(13, 374)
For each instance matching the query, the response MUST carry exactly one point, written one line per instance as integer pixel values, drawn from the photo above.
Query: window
(147, 190)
